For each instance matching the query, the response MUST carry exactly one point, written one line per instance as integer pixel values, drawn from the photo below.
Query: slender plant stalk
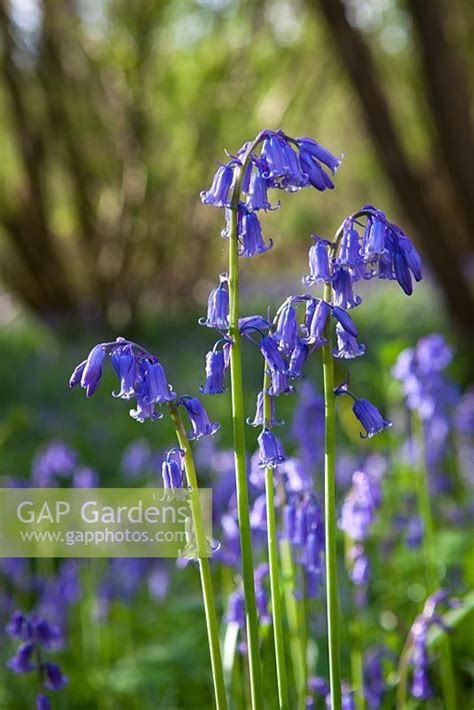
(330, 513)
(204, 567)
(275, 592)
(403, 669)
(357, 657)
(297, 637)
(448, 685)
(238, 423)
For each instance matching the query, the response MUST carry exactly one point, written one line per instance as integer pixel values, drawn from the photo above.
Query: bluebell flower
(200, 422)
(366, 412)
(419, 658)
(360, 565)
(141, 376)
(54, 460)
(298, 358)
(410, 254)
(319, 152)
(271, 450)
(319, 270)
(92, 371)
(236, 608)
(249, 323)
(125, 365)
(374, 236)
(172, 469)
(282, 164)
(42, 702)
(144, 410)
(215, 373)
(257, 191)
(280, 384)
(21, 661)
(289, 521)
(53, 679)
(349, 249)
(375, 686)
(287, 328)
(261, 597)
(370, 418)
(316, 176)
(250, 236)
(218, 194)
(275, 360)
(345, 320)
(36, 634)
(258, 419)
(358, 512)
(308, 427)
(218, 306)
(347, 345)
(344, 296)
(317, 325)
(155, 388)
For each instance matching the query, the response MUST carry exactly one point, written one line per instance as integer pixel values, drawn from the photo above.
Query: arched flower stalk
(142, 377)
(241, 187)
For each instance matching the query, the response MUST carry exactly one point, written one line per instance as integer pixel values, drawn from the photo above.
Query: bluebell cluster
(36, 635)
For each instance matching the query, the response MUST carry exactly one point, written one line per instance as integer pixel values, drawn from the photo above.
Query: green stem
(403, 669)
(448, 685)
(355, 637)
(238, 424)
(330, 513)
(204, 567)
(297, 641)
(275, 593)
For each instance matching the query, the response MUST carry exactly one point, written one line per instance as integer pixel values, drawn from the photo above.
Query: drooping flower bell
(92, 370)
(172, 469)
(319, 153)
(218, 306)
(251, 237)
(366, 412)
(275, 360)
(298, 358)
(347, 345)
(280, 384)
(257, 191)
(141, 375)
(271, 450)
(319, 270)
(343, 292)
(215, 372)
(317, 324)
(218, 193)
(287, 328)
(200, 422)
(259, 419)
(282, 163)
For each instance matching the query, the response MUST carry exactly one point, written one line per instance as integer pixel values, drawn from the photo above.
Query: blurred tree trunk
(33, 269)
(430, 219)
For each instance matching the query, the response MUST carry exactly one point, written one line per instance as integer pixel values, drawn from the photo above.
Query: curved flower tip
(200, 422)
(347, 346)
(218, 307)
(370, 418)
(271, 450)
(215, 372)
(218, 193)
